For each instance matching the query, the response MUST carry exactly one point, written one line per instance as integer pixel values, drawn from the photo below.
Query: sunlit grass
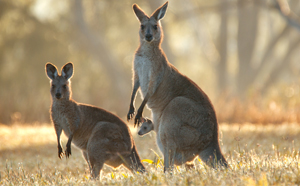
(257, 154)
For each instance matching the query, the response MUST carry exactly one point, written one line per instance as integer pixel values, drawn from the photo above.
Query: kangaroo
(183, 116)
(146, 127)
(101, 136)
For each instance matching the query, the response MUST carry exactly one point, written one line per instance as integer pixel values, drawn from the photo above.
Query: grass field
(257, 154)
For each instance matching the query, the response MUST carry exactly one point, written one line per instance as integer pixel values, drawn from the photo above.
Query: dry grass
(257, 154)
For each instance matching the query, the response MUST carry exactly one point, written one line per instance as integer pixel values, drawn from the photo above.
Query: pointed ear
(51, 71)
(140, 14)
(67, 71)
(159, 13)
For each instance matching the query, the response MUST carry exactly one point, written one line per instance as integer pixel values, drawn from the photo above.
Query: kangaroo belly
(81, 143)
(159, 144)
(80, 140)
(109, 136)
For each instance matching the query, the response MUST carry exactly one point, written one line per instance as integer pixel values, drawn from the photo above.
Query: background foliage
(242, 53)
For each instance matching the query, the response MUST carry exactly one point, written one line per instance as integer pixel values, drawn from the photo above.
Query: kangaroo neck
(62, 102)
(150, 47)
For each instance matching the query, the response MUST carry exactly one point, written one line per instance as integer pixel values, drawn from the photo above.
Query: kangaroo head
(150, 26)
(60, 84)
(146, 127)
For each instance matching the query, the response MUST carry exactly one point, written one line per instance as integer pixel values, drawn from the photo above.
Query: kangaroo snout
(148, 37)
(58, 95)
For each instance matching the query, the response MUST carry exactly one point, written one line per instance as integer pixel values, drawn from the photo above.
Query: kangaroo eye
(64, 86)
(155, 27)
(142, 27)
(145, 128)
(53, 86)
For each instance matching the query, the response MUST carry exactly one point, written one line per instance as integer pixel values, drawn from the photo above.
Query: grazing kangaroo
(183, 116)
(102, 136)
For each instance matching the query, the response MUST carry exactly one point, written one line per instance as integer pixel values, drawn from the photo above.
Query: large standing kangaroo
(102, 136)
(183, 116)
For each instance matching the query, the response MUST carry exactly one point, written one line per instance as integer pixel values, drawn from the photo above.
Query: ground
(257, 155)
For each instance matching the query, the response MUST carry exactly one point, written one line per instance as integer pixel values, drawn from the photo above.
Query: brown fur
(102, 136)
(183, 116)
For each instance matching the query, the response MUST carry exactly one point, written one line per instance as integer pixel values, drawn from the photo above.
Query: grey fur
(183, 116)
(146, 127)
(102, 136)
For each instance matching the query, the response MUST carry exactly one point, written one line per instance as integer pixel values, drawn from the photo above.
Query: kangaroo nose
(58, 95)
(148, 37)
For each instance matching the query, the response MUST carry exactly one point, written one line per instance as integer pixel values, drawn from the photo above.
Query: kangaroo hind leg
(96, 160)
(169, 155)
(85, 155)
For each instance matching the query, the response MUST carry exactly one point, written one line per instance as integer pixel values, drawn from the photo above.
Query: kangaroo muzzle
(58, 95)
(148, 37)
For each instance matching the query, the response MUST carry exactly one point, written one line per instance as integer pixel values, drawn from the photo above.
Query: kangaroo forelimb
(131, 107)
(139, 116)
(60, 151)
(131, 112)
(68, 150)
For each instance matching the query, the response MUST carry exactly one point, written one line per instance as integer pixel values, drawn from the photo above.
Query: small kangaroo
(146, 127)
(183, 116)
(102, 136)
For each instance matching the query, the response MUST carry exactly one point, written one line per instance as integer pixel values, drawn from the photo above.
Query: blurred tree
(23, 47)
(95, 45)
(222, 48)
(235, 46)
(254, 66)
(248, 13)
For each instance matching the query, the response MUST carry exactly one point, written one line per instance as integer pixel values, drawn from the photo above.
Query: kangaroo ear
(140, 14)
(51, 71)
(159, 13)
(67, 71)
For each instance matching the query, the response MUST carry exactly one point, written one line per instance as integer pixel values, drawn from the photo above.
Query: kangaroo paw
(68, 151)
(60, 152)
(138, 119)
(130, 113)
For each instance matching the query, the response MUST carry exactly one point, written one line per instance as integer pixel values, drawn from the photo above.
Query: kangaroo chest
(59, 118)
(143, 67)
